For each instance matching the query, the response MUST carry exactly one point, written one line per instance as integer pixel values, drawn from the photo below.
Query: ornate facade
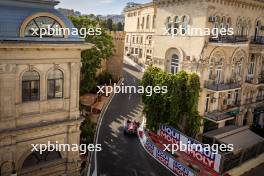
(39, 90)
(231, 67)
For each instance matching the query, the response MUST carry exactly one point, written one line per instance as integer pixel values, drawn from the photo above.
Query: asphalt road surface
(124, 155)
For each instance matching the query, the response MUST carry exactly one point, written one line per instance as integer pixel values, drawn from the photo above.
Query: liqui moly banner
(180, 169)
(150, 146)
(170, 134)
(194, 149)
(164, 158)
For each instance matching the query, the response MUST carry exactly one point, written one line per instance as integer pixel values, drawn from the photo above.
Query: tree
(92, 58)
(178, 107)
(87, 131)
(120, 26)
(109, 24)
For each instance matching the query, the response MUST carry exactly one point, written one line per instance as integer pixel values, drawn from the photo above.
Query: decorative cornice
(246, 4)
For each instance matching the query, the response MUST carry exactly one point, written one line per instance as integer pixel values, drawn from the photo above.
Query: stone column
(74, 90)
(7, 95)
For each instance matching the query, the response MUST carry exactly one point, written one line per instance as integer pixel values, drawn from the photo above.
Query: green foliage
(120, 26)
(92, 58)
(178, 107)
(109, 24)
(87, 131)
(104, 78)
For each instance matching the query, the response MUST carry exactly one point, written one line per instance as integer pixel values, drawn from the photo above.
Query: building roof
(139, 6)
(14, 12)
(241, 137)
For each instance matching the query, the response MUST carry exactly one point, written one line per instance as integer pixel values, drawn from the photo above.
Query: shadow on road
(123, 155)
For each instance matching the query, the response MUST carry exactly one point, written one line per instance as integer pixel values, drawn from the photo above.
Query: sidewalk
(133, 63)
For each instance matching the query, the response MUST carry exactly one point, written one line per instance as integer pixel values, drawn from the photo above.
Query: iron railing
(228, 39)
(213, 85)
(257, 40)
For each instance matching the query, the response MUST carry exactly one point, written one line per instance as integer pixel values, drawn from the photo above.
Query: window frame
(174, 64)
(30, 97)
(55, 21)
(54, 86)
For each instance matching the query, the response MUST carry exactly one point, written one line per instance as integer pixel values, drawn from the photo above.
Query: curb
(141, 129)
(89, 158)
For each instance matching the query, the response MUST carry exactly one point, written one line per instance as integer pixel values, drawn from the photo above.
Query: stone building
(114, 64)
(231, 67)
(39, 89)
(140, 28)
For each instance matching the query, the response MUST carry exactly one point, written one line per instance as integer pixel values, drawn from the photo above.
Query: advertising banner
(162, 157)
(176, 167)
(194, 149)
(181, 170)
(150, 146)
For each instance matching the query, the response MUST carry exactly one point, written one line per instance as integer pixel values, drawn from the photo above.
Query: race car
(130, 127)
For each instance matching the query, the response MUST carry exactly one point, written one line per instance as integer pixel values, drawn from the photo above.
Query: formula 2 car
(130, 127)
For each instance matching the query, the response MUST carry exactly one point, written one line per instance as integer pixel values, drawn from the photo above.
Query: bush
(87, 131)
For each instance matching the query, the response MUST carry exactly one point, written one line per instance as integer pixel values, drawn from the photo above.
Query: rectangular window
(251, 68)
(55, 88)
(30, 91)
(136, 51)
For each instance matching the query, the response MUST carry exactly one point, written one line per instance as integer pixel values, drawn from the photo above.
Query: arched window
(244, 28)
(251, 67)
(237, 67)
(37, 159)
(211, 69)
(55, 84)
(216, 67)
(30, 86)
(174, 64)
(176, 25)
(228, 23)
(148, 22)
(185, 22)
(168, 24)
(223, 23)
(138, 23)
(143, 23)
(34, 27)
(149, 40)
(154, 22)
(257, 29)
(239, 27)
(248, 27)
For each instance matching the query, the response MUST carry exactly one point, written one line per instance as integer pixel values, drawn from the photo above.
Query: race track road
(123, 155)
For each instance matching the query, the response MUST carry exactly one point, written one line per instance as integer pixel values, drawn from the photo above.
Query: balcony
(229, 39)
(213, 85)
(222, 115)
(261, 79)
(259, 40)
(260, 98)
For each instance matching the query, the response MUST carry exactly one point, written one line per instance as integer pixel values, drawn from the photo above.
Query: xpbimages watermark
(189, 31)
(203, 148)
(148, 90)
(56, 146)
(50, 31)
